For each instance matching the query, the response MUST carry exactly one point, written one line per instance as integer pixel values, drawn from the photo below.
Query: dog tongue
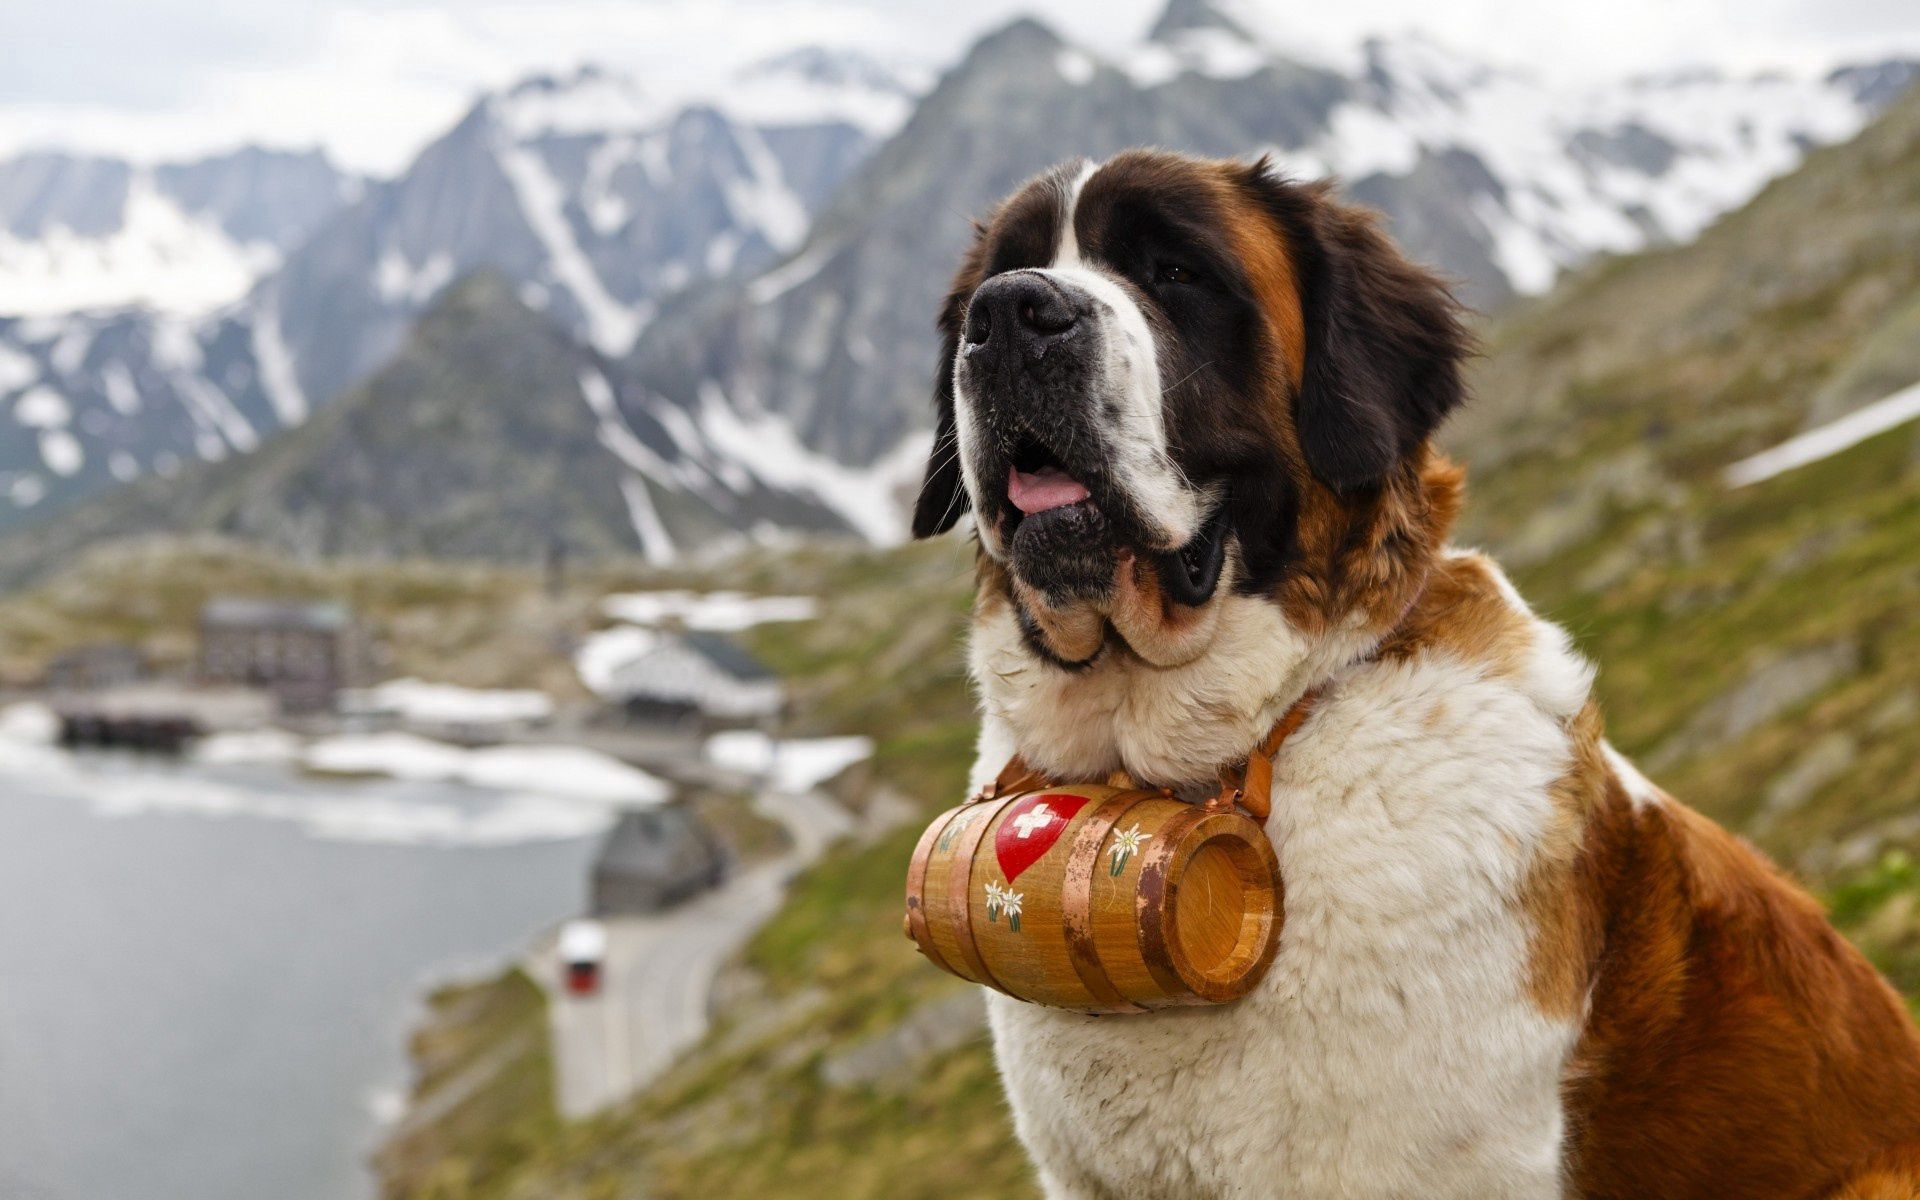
(1038, 491)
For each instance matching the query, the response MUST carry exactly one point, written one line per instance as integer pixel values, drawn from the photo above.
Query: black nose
(1020, 311)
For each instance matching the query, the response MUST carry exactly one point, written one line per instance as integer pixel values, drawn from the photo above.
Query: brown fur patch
(1367, 552)
(1373, 554)
(1464, 612)
(1074, 631)
(1262, 247)
(1737, 1046)
(1565, 925)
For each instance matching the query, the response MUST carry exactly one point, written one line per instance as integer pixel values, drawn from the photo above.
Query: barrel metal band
(1155, 902)
(917, 927)
(1077, 899)
(960, 892)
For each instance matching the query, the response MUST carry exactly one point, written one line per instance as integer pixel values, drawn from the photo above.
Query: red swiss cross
(1031, 828)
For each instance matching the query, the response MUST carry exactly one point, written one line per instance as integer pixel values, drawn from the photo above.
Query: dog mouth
(1037, 482)
(1191, 574)
(1060, 531)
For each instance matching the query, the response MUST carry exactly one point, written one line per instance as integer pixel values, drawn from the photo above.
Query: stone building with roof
(654, 858)
(303, 652)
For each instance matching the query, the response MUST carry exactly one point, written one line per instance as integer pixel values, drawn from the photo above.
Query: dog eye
(1167, 272)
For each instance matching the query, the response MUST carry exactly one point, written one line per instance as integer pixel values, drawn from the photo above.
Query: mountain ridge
(838, 347)
(597, 201)
(762, 292)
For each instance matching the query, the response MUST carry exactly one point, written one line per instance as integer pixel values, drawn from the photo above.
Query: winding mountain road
(656, 987)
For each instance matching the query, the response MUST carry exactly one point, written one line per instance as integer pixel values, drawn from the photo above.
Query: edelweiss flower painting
(1126, 844)
(1004, 900)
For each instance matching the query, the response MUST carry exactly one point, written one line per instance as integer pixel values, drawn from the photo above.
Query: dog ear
(1384, 345)
(943, 494)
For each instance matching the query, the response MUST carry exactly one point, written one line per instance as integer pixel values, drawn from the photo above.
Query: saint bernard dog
(1190, 407)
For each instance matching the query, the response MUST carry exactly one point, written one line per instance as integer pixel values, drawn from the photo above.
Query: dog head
(1166, 378)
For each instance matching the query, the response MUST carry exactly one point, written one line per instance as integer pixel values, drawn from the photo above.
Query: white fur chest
(1393, 1050)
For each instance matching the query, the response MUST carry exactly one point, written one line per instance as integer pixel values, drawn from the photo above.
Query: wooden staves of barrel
(1095, 898)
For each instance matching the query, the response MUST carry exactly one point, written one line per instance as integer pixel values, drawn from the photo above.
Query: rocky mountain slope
(596, 200)
(1758, 649)
(492, 435)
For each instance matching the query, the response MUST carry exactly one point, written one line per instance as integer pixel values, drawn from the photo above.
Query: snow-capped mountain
(596, 200)
(752, 278)
(79, 233)
(1572, 173)
(492, 433)
(1499, 177)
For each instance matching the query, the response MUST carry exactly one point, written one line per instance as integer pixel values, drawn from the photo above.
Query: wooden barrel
(1100, 899)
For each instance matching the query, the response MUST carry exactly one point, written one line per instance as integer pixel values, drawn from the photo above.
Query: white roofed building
(695, 677)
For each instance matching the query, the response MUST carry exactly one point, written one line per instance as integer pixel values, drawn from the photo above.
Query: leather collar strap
(1248, 785)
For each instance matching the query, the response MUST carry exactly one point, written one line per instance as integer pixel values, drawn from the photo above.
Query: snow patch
(278, 376)
(713, 612)
(120, 389)
(618, 437)
(656, 546)
(792, 765)
(1075, 66)
(1828, 440)
(606, 210)
(767, 446)
(61, 452)
(28, 723)
(16, 370)
(573, 772)
(399, 282)
(42, 408)
(764, 201)
(789, 275)
(26, 490)
(69, 354)
(611, 326)
(161, 257)
(445, 703)
(247, 746)
(602, 655)
(214, 414)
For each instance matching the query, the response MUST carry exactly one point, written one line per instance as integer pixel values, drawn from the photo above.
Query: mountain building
(301, 652)
(697, 678)
(652, 859)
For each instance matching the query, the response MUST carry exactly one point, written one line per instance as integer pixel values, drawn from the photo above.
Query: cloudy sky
(372, 79)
